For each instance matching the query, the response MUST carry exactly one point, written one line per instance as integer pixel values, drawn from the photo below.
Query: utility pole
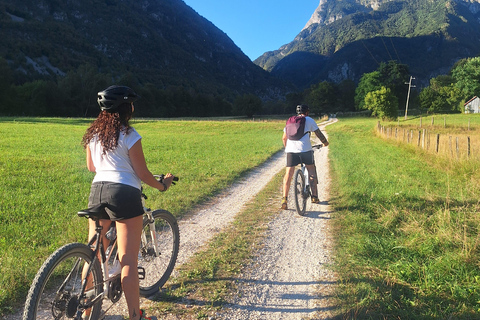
(408, 95)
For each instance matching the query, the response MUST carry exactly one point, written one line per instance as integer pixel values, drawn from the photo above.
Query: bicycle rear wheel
(56, 290)
(300, 192)
(158, 257)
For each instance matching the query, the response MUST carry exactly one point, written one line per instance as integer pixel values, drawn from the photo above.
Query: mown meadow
(44, 180)
(407, 224)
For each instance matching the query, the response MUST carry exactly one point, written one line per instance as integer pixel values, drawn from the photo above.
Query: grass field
(45, 180)
(408, 227)
(406, 222)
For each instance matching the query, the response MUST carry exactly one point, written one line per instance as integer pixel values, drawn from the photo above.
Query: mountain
(160, 42)
(347, 38)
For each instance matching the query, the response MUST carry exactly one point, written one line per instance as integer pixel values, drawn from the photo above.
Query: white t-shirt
(304, 144)
(115, 165)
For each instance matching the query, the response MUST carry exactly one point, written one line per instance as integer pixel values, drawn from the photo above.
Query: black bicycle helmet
(110, 98)
(302, 108)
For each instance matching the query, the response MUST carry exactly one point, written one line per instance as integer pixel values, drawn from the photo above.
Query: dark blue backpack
(295, 127)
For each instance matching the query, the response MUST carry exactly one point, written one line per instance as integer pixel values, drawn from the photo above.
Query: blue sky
(257, 26)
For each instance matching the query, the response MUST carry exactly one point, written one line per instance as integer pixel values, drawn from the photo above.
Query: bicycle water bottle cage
(94, 213)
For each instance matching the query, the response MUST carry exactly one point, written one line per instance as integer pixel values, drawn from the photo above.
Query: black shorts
(119, 201)
(294, 159)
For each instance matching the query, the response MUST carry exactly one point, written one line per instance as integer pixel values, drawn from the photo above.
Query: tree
(390, 75)
(368, 82)
(346, 95)
(441, 99)
(467, 76)
(247, 104)
(393, 75)
(321, 97)
(383, 103)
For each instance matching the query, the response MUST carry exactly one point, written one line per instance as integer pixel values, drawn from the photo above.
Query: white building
(473, 105)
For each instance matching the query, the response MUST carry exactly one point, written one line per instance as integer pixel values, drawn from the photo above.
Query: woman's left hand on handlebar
(168, 179)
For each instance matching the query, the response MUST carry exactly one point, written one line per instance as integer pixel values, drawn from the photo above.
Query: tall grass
(408, 242)
(458, 135)
(45, 181)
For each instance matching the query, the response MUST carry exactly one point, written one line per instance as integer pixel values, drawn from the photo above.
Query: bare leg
(128, 240)
(312, 175)
(287, 179)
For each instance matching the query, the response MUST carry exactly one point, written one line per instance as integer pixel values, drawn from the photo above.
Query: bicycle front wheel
(300, 192)
(158, 251)
(56, 291)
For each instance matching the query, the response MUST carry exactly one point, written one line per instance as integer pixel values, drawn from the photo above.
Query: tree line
(75, 94)
(383, 92)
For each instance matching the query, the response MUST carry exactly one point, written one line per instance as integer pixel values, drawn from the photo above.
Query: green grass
(45, 180)
(408, 228)
(407, 231)
(444, 124)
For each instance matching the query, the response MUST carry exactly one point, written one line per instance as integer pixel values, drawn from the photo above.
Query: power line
(369, 52)
(391, 41)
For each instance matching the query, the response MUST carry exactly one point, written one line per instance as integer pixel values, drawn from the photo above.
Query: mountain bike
(74, 281)
(302, 190)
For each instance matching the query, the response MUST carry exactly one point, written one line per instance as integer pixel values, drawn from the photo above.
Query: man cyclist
(300, 151)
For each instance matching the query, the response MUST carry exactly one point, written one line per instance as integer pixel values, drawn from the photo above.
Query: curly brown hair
(108, 125)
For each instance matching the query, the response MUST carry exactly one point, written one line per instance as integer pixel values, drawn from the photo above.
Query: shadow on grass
(398, 301)
(385, 269)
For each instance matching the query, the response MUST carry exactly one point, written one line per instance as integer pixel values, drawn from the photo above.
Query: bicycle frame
(302, 188)
(97, 244)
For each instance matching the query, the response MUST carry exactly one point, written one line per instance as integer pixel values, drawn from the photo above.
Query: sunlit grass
(45, 180)
(408, 226)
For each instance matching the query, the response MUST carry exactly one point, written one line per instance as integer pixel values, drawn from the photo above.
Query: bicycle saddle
(95, 212)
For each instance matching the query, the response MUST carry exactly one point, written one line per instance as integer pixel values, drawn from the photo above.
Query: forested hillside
(352, 38)
(68, 50)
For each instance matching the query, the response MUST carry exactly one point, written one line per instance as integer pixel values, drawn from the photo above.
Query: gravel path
(288, 279)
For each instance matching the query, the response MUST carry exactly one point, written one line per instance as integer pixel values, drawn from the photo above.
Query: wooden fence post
(457, 147)
(423, 139)
(419, 137)
(468, 147)
(438, 142)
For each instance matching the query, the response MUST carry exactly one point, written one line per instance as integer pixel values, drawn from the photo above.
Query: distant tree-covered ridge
(352, 37)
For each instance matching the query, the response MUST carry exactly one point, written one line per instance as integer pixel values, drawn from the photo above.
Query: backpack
(295, 127)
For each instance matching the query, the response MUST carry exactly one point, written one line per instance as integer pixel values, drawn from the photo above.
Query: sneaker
(144, 317)
(315, 199)
(284, 203)
(115, 269)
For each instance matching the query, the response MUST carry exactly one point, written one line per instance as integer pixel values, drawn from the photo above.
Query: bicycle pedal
(141, 273)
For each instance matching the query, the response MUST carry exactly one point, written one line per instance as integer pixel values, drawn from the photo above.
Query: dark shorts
(294, 159)
(119, 201)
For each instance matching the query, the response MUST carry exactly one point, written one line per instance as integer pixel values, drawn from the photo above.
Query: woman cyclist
(115, 154)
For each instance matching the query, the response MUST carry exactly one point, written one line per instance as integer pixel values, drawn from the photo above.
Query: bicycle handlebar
(160, 178)
(317, 146)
